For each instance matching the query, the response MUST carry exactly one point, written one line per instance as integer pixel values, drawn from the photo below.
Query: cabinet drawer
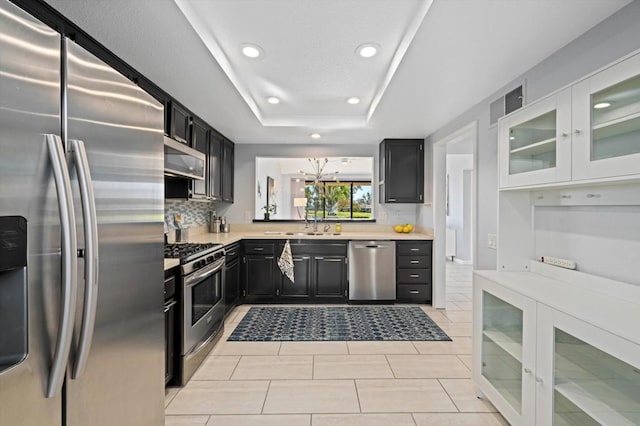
(169, 287)
(258, 248)
(302, 247)
(422, 248)
(419, 262)
(414, 293)
(232, 252)
(414, 276)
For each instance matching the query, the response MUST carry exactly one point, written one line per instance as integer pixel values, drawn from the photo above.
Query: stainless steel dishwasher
(372, 270)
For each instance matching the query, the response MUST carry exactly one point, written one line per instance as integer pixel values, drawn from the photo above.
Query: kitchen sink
(312, 233)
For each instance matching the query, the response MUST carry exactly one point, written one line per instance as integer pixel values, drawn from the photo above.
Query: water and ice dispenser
(13, 291)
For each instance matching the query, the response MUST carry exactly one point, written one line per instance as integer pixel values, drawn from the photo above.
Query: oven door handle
(203, 273)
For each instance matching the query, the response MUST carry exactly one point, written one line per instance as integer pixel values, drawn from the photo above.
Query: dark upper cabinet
(228, 152)
(215, 166)
(180, 123)
(200, 142)
(402, 171)
(221, 160)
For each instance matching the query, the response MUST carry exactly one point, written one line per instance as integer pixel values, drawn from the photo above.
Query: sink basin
(312, 233)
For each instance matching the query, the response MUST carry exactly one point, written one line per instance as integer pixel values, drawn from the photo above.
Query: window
(332, 200)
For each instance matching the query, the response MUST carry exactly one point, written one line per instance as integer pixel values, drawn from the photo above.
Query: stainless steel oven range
(201, 302)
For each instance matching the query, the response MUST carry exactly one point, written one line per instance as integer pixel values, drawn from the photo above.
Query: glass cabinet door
(535, 143)
(592, 387)
(532, 144)
(502, 348)
(615, 120)
(606, 115)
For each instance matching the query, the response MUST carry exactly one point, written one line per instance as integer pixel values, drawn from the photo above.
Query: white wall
(459, 203)
(613, 38)
(242, 210)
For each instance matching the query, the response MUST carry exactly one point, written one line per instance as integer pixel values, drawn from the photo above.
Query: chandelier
(318, 173)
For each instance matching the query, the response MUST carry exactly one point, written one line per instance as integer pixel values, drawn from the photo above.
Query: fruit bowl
(403, 228)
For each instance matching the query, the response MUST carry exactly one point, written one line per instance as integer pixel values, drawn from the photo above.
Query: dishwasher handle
(371, 246)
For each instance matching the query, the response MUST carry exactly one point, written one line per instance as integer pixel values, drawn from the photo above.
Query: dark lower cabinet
(330, 278)
(413, 271)
(232, 278)
(170, 324)
(301, 289)
(320, 272)
(259, 278)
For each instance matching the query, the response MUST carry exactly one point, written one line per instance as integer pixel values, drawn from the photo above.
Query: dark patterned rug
(336, 323)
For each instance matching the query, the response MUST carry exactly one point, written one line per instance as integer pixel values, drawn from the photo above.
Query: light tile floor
(341, 383)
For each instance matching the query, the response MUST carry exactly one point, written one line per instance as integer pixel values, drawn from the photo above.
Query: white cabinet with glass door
(535, 143)
(504, 349)
(588, 376)
(606, 122)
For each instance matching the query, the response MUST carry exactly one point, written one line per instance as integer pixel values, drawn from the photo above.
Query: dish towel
(285, 261)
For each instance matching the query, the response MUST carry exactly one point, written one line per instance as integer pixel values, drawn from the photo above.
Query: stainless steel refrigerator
(81, 185)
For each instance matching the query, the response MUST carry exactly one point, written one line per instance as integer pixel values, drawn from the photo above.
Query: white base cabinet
(540, 365)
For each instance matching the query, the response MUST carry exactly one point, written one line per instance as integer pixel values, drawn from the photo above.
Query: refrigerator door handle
(91, 256)
(69, 264)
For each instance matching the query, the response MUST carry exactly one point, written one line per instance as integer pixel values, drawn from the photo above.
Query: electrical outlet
(492, 241)
(556, 261)
(247, 215)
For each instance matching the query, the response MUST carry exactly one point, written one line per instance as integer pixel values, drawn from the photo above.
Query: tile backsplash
(193, 213)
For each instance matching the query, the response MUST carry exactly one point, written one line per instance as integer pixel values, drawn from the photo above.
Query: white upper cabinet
(588, 131)
(535, 143)
(606, 121)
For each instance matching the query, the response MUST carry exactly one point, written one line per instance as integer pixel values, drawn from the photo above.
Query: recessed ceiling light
(273, 100)
(252, 51)
(367, 50)
(353, 101)
(602, 105)
(315, 135)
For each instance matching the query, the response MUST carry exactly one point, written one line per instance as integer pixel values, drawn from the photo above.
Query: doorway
(454, 208)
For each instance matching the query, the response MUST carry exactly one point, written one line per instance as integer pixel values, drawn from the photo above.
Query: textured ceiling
(463, 51)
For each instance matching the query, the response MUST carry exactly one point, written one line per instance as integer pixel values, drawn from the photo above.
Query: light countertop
(260, 234)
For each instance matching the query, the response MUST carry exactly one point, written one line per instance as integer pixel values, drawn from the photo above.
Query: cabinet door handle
(414, 275)
(414, 262)
(415, 249)
(259, 248)
(391, 199)
(332, 260)
(414, 291)
(268, 257)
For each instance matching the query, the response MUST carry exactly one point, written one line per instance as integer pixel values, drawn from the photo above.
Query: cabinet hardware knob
(539, 380)
(527, 370)
(564, 134)
(577, 131)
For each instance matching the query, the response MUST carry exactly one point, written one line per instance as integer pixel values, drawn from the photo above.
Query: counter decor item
(268, 209)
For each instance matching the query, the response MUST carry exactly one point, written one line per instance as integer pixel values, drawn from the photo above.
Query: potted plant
(268, 209)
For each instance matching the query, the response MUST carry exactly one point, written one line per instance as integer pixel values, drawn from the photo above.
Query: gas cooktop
(183, 251)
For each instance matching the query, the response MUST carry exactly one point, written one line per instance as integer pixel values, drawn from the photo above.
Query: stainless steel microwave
(183, 161)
